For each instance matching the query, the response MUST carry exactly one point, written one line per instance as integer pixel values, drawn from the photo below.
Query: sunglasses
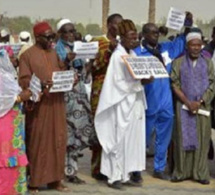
(48, 37)
(68, 31)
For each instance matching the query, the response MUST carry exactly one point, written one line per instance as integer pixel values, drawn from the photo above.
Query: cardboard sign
(35, 88)
(175, 19)
(86, 50)
(143, 67)
(62, 81)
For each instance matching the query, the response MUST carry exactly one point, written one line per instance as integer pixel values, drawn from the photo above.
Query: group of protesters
(107, 110)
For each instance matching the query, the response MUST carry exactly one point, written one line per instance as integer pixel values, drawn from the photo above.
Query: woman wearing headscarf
(13, 160)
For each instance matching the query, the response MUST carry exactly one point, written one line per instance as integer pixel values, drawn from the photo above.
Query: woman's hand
(24, 95)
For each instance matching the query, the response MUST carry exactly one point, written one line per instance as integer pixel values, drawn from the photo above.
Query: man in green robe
(193, 84)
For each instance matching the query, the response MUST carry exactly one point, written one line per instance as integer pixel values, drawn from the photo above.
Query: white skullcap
(24, 35)
(63, 22)
(88, 38)
(193, 35)
(4, 33)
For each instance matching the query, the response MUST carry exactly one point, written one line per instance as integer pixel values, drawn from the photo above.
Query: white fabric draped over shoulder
(118, 85)
(9, 88)
(120, 121)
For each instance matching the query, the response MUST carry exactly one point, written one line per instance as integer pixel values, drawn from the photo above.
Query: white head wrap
(4, 33)
(63, 22)
(88, 38)
(25, 35)
(193, 35)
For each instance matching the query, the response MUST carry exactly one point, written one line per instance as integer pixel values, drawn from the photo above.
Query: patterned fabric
(81, 131)
(13, 159)
(99, 70)
(194, 82)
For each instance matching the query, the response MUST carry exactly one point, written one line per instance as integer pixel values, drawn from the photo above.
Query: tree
(18, 24)
(93, 29)
(152, 9)
(105, 11)
(80, 28)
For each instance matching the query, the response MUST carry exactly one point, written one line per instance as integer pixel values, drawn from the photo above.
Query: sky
(90, 11)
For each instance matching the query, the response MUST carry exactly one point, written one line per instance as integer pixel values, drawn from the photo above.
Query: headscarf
(125, 26)
(41, 28)
(9, 88)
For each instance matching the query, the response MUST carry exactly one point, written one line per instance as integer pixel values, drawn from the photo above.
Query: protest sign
(175, 19)
(62, 81)
(86, 50)
(35, 87)
(143, 67)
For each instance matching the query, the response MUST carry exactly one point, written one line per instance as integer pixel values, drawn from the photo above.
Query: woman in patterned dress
(13, 160)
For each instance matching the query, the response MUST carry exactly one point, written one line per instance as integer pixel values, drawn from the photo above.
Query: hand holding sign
(175, 19)
(62, 81)
(36, 88)
(147, 81)
(188, 22)
(86, 50)
(144, 67)
(70, 56)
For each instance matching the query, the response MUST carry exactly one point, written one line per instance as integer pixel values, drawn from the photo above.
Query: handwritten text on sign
(144, 67)
(86, 50)
(175, 19)
(35, 88)
(62, 81)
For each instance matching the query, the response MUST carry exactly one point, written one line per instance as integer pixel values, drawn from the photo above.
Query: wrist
(18, 99)
(201, 101)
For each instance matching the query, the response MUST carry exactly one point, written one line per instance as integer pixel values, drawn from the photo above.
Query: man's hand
(188, 22)
(194, 106)
(70, 56)
(147, 81)
(47, 84)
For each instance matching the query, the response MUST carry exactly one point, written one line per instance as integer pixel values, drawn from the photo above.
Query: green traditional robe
(192, 164)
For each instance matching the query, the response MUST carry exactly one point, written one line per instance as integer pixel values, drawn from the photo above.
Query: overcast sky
(89, 11)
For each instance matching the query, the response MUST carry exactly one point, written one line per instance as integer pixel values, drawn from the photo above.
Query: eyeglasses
(69, 31)
(48, 37)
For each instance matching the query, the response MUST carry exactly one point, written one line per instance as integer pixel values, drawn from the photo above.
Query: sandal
(33, 190)
(59, 186)
(76, 180)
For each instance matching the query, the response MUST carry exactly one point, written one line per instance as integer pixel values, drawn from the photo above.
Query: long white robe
(120, 121)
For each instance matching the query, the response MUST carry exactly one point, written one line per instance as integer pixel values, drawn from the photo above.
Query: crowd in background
(118, 117)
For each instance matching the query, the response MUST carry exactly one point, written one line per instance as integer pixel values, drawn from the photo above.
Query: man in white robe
(119, 120)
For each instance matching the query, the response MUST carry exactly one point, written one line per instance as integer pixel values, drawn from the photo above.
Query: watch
(201, 101)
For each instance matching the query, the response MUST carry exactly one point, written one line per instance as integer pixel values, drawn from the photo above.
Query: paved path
(151, 186)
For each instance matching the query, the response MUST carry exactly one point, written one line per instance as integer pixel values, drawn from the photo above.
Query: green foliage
(93, 29)
(80, 28)
(17, 24)
(20, 23)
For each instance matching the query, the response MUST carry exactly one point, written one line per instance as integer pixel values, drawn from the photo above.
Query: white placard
(143, 67)
(86, 50)
(200, 111)
(62, 81)
(35, 88)
(175, 19)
